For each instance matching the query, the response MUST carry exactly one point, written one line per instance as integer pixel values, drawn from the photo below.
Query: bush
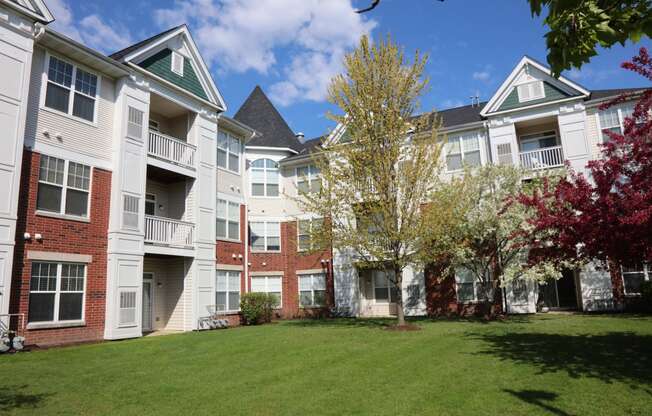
(646, 295)
(257, 308)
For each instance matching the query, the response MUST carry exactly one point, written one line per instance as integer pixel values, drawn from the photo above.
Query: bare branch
(373, 6)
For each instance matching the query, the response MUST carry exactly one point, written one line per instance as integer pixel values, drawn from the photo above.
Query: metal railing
(548, 157)
(171, 149)
(166, 231)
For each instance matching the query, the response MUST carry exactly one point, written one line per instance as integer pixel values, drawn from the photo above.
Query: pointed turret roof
(259, 113)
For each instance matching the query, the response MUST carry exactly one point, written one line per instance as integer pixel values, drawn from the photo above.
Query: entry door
(147, 302)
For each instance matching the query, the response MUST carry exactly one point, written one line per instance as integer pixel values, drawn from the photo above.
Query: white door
(147, 302)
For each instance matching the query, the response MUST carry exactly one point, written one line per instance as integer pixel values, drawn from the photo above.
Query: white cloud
(591, 75)
(481, 75)
(451, 104)
(91, 30)
(243, 35)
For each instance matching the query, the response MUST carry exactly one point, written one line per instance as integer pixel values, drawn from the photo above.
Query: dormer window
(177, 63)
(530, 91)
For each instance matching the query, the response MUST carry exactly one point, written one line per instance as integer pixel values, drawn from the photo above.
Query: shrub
(646, 295)
(257, 308)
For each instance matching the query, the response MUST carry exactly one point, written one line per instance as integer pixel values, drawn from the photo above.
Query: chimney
(300, 136)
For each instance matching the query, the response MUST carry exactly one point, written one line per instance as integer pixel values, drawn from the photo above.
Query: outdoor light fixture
(38, 237)
(27, 236)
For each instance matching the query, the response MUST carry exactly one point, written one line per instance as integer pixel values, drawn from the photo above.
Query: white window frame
(621, 120)
(312, 176)
(230, 138)
(151, 199)
(57, 294)
(529, 85)
(389, 287)
(647, 276)
(477, 284)
(227, 219)
(463, 151)
(72, 90)
(266, 236)
(280, 300)
(228, 273)
(265, 182)
(176, 57)
(312, 290)
(64, 188)
(299, 234)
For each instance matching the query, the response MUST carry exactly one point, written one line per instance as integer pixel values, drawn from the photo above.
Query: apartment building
(134, 205)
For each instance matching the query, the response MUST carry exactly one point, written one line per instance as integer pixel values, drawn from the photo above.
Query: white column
(16, 48)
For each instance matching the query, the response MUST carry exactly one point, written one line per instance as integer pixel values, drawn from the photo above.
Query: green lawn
(552, 364)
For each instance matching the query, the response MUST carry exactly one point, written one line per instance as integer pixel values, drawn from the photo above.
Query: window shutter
(127, 313)
(504, 151)
(130, 212)
(135, 123)
(177, 63)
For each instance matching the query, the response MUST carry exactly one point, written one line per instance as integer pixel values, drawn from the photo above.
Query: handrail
(547, 157)
(167, 231)
(171, 149)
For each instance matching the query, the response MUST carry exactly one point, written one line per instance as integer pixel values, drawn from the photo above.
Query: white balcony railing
(169, 232)
(548, 157)
(171, 149)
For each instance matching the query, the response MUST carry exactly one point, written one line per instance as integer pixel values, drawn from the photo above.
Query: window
(531, 91)
(69, 196)
(634, 276)
(228, 220)
(308, 179)
(150, 204)
(177, 63)
(228, 152)
(305, 228)
(384, 289)
(264, 178)
(227, 295)
(312, 290)
(127, 313)
(135, 123)
(130, 212)
(70, 89)
(463, 150)
(538, 141)
(265, 236)
(56, 292)
(613, 119)
(268, 284)
(470, 289)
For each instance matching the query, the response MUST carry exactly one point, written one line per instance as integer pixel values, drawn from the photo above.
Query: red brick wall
(289, 260)
(63, 236)
(441, 297)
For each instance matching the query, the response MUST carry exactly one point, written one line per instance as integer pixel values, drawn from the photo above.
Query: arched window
(264, 178)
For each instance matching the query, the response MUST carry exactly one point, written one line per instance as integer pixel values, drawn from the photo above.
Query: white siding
(76, 136)
(168, 291)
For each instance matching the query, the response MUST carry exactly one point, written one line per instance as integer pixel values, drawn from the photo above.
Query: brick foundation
(63, 236)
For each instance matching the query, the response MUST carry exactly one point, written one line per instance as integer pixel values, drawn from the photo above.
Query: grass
(552, 364)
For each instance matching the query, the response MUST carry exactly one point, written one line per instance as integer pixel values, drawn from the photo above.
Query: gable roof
(200, 82)
(308, 148)
(36, 9)
(130, 49)
(600, 94)
(461, 115)
(563, 87)
(259, 113)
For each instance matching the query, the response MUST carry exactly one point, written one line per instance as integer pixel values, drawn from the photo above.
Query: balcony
(171, 149)
(168, 232)
(544, 158)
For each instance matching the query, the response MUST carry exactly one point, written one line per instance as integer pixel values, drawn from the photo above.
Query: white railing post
(171, 149)
(167, 231)
(548, 157)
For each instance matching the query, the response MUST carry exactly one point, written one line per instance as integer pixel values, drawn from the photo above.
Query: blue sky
(292, 47)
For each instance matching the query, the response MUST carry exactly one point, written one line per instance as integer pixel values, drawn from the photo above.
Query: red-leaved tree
(607, 216)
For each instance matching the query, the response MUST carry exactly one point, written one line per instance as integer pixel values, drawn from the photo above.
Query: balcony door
(538, 141)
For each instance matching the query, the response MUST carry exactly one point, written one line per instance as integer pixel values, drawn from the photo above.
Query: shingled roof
(599, 94)
(259, 113)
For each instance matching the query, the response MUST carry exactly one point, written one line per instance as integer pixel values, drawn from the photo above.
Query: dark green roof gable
(161, 64)
(552, 93)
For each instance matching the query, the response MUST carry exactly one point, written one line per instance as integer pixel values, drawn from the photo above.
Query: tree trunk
(400, 314)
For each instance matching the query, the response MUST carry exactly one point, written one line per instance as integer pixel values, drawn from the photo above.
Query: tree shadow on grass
(540, 398)
(345, 322)
(13, 397)
(614, 356)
